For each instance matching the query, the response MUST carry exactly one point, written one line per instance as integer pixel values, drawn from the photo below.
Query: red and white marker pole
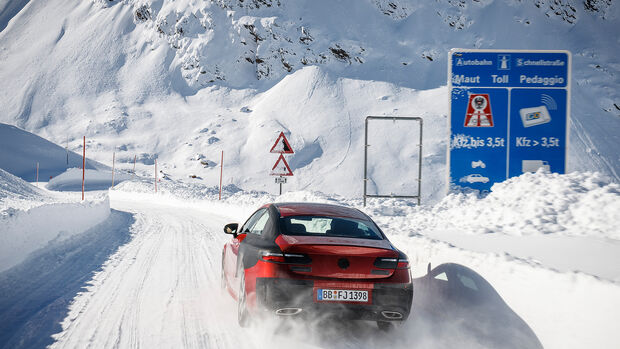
(221, 172)
(83, 166)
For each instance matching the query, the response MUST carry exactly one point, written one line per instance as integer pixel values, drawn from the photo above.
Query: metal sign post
(419, 145)
(281, 180)
(509, 114)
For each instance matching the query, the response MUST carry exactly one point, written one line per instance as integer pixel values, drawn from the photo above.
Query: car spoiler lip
(334, 240)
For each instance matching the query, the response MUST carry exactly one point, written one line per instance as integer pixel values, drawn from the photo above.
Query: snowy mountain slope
(20, 151)
(146, 77)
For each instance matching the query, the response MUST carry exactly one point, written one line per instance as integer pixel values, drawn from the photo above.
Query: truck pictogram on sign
(479, 111)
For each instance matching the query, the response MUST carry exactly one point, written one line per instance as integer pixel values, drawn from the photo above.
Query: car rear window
(329, 226)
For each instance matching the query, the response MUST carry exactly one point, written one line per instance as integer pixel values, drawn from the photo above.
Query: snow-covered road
(159, 290)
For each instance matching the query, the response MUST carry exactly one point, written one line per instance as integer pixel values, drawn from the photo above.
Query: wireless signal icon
(549, 102)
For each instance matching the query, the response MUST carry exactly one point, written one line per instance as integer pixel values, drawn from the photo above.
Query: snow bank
(24, 232)
(235, 202)
(30, 218)
(17, 194)
(576, 204)
(12, 187)
(71, 180)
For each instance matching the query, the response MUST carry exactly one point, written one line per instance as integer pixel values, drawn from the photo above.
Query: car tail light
(403, 264)
(386, 262)
(285, 258)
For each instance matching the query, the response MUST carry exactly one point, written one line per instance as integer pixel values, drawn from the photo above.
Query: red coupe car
(297, 259)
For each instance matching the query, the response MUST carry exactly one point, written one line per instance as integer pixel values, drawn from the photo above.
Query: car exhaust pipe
(392, 315)
(288, 311)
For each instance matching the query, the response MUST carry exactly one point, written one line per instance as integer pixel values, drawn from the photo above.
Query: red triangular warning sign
(281, 167)
(281, 145)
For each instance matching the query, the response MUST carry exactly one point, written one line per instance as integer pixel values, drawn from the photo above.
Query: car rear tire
(243, 316)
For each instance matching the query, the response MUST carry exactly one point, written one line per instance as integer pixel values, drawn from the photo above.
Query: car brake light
(285, 258)
(403, 264)
(386, 263)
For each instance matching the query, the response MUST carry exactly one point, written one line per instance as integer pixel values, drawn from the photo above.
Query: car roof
(288, 209)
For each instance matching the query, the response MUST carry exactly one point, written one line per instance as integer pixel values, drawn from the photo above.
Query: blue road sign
(509, 114)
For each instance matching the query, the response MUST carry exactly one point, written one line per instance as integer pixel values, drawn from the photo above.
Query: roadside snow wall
(23, 232)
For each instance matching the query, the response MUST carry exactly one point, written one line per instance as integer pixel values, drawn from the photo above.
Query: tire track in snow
(156, 291)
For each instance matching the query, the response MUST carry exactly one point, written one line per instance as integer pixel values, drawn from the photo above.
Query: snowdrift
(31, 218)
(576, 204)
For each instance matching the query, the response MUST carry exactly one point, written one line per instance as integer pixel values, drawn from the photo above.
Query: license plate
(341, 295)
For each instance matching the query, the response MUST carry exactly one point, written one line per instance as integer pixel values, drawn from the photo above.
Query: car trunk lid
(338, 257)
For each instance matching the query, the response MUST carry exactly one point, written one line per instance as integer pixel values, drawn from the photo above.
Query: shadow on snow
(35, 295)
(453, 307)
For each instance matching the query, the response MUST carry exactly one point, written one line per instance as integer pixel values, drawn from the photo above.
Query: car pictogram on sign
(475, 178)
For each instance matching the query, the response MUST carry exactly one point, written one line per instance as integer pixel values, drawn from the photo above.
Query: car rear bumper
(388, 301)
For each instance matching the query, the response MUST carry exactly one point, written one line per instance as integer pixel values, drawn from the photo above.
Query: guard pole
(134, 166)
(221, 172)
(113, 158)
(156, 175)
(280, 185)
(37, 179)
(83, 165)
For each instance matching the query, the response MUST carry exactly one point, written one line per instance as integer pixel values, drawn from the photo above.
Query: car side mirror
(231, 228)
